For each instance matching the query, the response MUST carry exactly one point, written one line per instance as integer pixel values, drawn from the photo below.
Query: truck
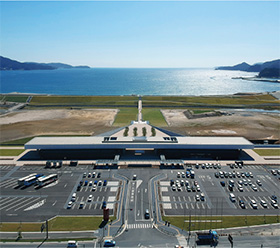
(207, 238)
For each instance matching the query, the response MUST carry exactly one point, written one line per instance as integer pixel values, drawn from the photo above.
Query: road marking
(22, 206)
(13, 204)
(54, 203)
(65, 185)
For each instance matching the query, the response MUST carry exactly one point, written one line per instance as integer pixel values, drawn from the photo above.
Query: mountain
(269, 73)
(240, 67)
(252, 68)
(9, 64)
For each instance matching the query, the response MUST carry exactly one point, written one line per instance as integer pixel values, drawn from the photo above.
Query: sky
(175, 34)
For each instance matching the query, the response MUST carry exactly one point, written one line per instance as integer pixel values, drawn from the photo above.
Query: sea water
(125, 81)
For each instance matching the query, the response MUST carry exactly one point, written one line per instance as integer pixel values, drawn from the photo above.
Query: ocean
(125, 81)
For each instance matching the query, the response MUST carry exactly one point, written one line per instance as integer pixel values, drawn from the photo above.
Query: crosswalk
(139, 226)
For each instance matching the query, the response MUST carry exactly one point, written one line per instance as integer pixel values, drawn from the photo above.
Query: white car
(254, 187)
(178, 174)
(240, 188)
(69, 205)
(274, 204)
(93, 188)
(263, 203)
(197, 197)
(173, 187)
(90, 198)
(259, 182)
(253, 204)
(134, 177)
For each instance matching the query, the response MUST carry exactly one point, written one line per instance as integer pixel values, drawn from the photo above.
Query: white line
(6, 202)
(12, 203)
(27, 203)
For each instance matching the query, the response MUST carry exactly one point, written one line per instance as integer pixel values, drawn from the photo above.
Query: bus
(42, 181)
(21, 180)
(31, 180)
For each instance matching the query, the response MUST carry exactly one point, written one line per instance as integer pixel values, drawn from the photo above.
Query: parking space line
(95, 205)
(15, 200)
(22, 206)
(187, 205)
(20, 203)
(191, 205)
(6, 202)
(175, 205)
(6, 181)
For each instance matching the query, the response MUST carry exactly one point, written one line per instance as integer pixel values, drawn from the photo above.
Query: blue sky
(141, 34)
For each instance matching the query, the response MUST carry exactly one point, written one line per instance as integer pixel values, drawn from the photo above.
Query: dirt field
(247, 124)
(28, 123)
(50, 122)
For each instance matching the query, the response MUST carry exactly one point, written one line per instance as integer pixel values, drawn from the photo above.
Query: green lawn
(224, 221)
(125, 116)
(169, 101)
(11, 152)
(13, 98)
(268, 152)
(56, 224)
(154, 116)
(85, 100)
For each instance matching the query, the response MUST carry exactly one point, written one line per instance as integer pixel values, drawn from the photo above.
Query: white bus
(21, 180)
(42, 181)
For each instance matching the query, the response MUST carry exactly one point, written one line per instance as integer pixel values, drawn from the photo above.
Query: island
(7, 64)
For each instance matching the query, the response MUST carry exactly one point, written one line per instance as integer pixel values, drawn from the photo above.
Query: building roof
(95, 142)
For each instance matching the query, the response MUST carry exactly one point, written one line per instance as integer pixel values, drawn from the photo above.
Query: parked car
(69, 205)
(274, 204)
(263, 203)
(223, 183)
(242, 204)
(253, 204)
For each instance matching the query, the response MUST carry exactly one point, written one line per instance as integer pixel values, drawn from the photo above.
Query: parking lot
(205, 195)
(37, 204)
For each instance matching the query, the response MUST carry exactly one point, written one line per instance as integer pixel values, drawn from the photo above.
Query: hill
(275, 64)
(9, 64)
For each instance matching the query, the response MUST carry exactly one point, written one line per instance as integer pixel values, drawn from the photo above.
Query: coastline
(258, 79)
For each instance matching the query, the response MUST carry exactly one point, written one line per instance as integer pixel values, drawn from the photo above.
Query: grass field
(164, 101)
(11, 152)
(13, 98)
(85, 100)
(154, 116)
(125, 116)
(268, 152)
(56, 224)
(199, 223)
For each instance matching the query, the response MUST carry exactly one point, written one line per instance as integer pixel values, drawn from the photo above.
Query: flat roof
(97, 142)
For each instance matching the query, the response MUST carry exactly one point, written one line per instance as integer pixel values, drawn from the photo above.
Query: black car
(274, 198)
(171, 182)
(147, 214)
(104, 204)
(242, 204)
(196, 166)
(98, 174)
(230, 187)
(223, 183)
(216, 174)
